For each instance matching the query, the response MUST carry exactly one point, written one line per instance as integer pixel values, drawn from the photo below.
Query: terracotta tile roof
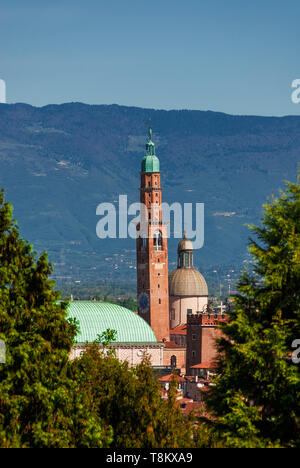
(205, 365)
(172, 344)
(180, 330)
(170, 377)
(192, 378)
(185, 400)
(205, 388)
(189, 406)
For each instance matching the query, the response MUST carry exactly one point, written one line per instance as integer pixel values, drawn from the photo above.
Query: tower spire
(149, 123)
(150, 162)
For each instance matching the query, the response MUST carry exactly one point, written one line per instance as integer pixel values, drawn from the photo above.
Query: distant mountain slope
(57, 163)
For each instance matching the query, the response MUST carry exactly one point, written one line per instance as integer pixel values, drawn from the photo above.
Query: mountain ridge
(59, 161)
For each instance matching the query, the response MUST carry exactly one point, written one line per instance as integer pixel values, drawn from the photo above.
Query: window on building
(189, 311)
(173, 361)
(158, 286)
(193, 353)
(159, 301)
(157, 240)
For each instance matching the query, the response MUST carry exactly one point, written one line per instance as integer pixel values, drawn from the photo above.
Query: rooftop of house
(205, 365)
(180, 330)
(170, 378)
(172, 344)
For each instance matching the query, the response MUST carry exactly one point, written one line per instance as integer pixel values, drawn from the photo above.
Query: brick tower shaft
(152, 250)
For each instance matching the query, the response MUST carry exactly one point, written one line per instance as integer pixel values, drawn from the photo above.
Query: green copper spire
(150, 162)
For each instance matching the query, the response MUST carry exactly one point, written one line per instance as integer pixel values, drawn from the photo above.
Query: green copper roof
(150, 162)
(96, 317)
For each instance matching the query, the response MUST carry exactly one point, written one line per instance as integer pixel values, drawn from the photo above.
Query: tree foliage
(48, 401)
(256, 398)
(129, 400)
(40, 406)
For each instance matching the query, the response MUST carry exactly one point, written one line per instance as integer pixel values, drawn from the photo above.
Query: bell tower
(152, 249)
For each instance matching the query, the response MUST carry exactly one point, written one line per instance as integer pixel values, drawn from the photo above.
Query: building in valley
(174, 324)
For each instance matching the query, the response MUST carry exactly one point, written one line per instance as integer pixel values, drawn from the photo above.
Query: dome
(150, 163)
(96, 317)
(187, 282)
(185, 244)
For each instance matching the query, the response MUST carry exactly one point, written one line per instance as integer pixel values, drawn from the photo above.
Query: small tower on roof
(185, 253)
(187, 287)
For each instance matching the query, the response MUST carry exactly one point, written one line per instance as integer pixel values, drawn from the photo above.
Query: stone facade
(180, 307)
(175, 355)
(131, 353)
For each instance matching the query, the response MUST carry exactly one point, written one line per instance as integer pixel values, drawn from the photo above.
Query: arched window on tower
(157, 240)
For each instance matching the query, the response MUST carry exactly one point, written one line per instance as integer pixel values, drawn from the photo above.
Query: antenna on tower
(149, 123)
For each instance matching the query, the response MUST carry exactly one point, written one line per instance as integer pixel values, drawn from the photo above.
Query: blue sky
(234, 56)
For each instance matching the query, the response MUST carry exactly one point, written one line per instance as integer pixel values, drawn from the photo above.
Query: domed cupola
(185, 253)
(150, 162)
(187, 287)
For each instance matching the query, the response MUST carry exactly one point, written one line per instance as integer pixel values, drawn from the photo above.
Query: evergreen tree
(40, 406)
(256, 398)
(129, 400)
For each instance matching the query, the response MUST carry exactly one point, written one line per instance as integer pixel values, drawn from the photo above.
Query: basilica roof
(96, 317)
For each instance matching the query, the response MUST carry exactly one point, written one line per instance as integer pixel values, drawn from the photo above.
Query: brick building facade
(202, 333)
